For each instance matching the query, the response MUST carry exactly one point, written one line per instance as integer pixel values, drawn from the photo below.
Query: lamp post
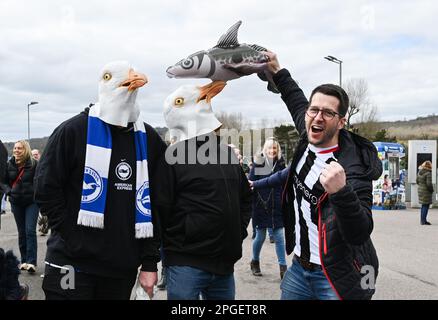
(28, 118)
(337, 61)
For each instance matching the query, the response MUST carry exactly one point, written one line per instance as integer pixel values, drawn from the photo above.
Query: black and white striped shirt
(308, 190)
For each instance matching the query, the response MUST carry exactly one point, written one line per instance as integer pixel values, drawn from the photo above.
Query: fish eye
(187, 63)
(107, 76)
(179, 101)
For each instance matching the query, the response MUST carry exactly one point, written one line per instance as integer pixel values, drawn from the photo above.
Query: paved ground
(408, 255)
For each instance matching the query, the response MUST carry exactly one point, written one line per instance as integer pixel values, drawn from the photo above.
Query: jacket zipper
(324, 236)
(321, 236)
(226, 188)
(356, 265)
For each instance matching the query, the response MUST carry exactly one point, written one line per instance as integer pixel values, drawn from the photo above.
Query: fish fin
(245, 69)
(257, 47)
(229, 39)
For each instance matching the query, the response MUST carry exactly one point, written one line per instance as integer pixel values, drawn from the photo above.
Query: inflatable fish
(227, 60)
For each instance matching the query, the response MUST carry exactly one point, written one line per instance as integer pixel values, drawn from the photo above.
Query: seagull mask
(188, 112)
(118, 86)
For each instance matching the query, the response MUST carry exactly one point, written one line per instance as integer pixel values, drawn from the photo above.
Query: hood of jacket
(354, 147)
(424, 172)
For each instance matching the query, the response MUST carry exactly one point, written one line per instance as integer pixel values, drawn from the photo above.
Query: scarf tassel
(144, 230)
(90, 219)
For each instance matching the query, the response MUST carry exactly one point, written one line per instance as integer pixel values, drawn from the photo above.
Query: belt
(307, 265)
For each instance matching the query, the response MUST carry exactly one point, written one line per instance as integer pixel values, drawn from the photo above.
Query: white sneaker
(23, 266)
(31, 268)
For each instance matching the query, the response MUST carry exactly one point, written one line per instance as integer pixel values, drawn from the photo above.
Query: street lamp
(28, 118)
(337, 61)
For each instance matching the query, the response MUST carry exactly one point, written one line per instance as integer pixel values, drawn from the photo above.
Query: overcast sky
(52, 52)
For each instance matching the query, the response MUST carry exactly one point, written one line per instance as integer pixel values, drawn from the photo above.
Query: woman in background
(425, 190)
(267, 205)
(19, 178)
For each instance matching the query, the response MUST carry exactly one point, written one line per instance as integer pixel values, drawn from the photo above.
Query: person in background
(402, 176)
(10, 287)
(42, 220)
(20, 190)
(3, 162)
(266, 207)
(425, 190)
(386, 188)
(387, 184)
(3, 203)
(43, 226)
(36, 154)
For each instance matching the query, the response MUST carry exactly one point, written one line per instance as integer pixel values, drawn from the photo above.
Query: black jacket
(113, 251)
(9, 284)
(204, 208)
(3, 160)
(21, 194)
(266, 206)
(3, 166)
(345, 221)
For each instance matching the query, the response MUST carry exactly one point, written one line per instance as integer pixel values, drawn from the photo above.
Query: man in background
(36, 154)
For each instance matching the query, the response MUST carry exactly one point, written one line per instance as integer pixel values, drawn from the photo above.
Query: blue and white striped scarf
(95, 183)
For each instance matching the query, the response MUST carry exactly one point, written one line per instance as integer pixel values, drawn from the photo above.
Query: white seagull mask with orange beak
(118, 86)
(188, 112)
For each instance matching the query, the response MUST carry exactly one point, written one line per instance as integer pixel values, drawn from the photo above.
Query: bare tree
(368, 121)
(357, 90)
(369, 113)
(231, 120)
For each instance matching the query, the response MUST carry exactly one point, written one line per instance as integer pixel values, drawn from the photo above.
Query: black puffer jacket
(345, 222)
(22, 193)
(9, 285)
(3, 161)
(204, 206)
(3, 165)
(266, 204)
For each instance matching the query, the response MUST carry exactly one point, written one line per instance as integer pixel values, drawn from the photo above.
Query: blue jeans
(300, 284)
(257, 244)
(424, 211)
(188, 283)
(26, 219)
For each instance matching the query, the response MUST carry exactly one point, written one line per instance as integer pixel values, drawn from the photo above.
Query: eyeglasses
(326, 113)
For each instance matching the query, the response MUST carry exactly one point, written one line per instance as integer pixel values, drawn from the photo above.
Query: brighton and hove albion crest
(123, 171)
(92, 185)
(143, 200)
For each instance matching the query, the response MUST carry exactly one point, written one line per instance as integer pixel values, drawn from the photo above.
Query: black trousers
(85, 286)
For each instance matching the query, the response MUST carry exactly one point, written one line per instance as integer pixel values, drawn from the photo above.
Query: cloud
(52, 52)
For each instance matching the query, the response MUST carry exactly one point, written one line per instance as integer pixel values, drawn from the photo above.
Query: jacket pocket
(199, 228)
